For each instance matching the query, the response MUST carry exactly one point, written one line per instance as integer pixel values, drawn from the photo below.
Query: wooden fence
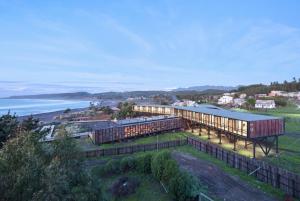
(277, 177)
(135, 148)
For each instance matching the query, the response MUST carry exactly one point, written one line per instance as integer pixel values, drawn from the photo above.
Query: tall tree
(8, 127)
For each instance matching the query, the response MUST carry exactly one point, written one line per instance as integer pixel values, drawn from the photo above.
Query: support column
(192, 125)
(277, 145)
(246, 145)
(208, 133)
(234, 143)
(200, 130)
(254, 146)
(220, 137)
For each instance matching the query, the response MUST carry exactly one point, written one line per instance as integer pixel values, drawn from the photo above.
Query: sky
(123, 45)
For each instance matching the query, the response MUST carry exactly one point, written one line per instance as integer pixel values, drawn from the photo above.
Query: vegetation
(8, 127)
(29, 124)
(251, 90)
(162, 167)
(31, 170)
(126, 110)
(66, 111)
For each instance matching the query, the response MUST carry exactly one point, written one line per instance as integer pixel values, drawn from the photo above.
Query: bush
(144, 163)
(127, 164)
(158, 164)
(171, 168)
(113, 167)
(183, 187)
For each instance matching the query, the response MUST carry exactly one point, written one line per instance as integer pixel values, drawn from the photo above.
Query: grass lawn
(149, 139)
(149, 189)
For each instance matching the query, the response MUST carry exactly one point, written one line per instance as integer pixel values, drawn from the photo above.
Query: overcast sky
(59, 46)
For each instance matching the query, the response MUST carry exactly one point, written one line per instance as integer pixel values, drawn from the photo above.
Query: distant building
(185, 103)
(225, 100)
(239, 101)
(265, 104)
(261, 95)
(243, 95)
(276, 93)
(285, 94)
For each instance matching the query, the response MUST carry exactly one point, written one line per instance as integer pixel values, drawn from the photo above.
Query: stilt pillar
(246, 145)
(200, 130)
(234, 143)
(254, 151)
(208, 133)
(220, 137)
(276, 145)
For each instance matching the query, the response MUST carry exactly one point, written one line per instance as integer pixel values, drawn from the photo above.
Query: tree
(8, 127)
(31, 170)
(30, 123)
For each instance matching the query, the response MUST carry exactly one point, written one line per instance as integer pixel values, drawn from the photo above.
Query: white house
(243, 95)
(225, 100)
(276, 93)
(239, 101)
(185, 103)
(265, 104)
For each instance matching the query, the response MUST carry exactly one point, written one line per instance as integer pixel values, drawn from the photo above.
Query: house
(276, 93)
(185, 103)
(265, 104)
(243, 95)
(239, 101)
(261, 95)
(225, 100)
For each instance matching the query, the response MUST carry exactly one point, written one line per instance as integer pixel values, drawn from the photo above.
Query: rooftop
(217, 111)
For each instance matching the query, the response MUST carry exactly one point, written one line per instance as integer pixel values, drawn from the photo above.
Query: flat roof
(217, 111)
(144, 119)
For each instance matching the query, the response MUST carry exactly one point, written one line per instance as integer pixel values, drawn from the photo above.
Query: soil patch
(220, 184)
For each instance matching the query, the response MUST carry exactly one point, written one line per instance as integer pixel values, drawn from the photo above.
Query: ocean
(36, 106)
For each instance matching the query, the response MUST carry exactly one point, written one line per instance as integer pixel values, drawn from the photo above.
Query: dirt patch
(219, 184)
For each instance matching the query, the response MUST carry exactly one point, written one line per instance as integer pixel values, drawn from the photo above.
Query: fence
(277, 177)
(134, 148)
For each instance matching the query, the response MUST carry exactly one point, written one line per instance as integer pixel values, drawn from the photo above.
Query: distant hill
(206, 87)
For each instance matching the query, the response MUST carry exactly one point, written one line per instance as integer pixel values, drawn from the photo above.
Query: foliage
(67, 110)
(8, 127)
(183, 186)
(106, 110)
(113, 166)
(158, 164)
(32, 170)
(127, 164)
(144, 163)
(171, 169)
(126, 110)
(251, 90)
(30, 123)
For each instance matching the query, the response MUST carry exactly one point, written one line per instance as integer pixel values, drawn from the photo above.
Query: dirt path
(220, 184)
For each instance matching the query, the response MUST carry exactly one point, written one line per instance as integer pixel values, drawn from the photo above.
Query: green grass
(149, 189)
(149, 139)
(289, 154)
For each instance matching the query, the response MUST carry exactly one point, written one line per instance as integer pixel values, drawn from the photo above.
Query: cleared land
(219, 184)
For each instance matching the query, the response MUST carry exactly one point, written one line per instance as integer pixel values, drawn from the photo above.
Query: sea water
(35, 106)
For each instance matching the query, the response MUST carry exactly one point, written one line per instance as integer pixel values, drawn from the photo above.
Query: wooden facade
(243, 127)
(125, 131)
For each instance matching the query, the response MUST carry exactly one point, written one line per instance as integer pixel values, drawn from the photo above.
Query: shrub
(158, 164)
(112, 166)
(144, 163)
(170, 169)
(127, 164)
(183, 186)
